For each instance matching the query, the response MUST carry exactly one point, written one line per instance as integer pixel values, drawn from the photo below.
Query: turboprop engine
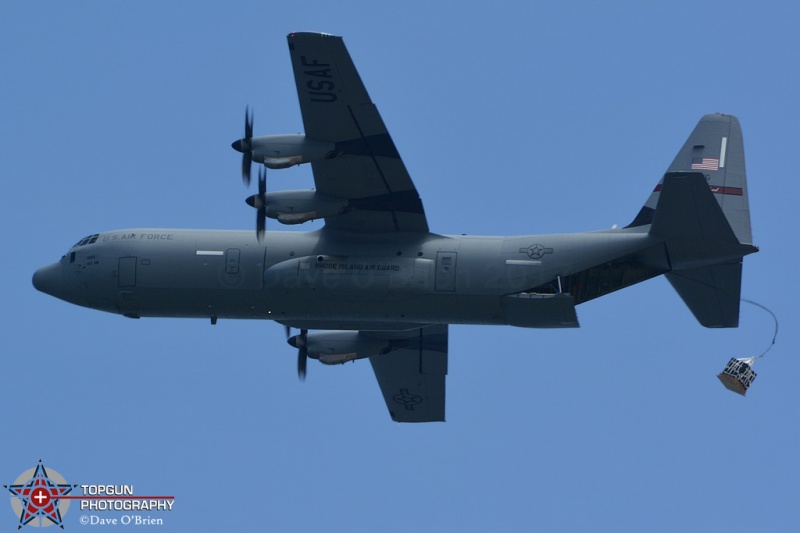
(338, 347)
(296, 207)
(284, 151)
(278, 151)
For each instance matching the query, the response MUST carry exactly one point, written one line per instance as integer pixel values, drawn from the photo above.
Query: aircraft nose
(48, 279)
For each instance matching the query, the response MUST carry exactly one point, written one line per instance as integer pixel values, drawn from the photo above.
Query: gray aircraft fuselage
(325, 280)
(375, 271)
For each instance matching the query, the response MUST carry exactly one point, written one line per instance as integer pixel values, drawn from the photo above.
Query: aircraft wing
(412, 378)
(366, 168)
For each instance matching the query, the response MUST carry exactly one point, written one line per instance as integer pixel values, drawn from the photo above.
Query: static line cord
(775, 318)
(775, 336)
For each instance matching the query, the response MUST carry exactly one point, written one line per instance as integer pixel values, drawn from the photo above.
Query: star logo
(407, 400)
(37, 494)
(536, 251)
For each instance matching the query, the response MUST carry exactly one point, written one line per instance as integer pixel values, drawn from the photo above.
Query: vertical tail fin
(716, 149)
(700, 210)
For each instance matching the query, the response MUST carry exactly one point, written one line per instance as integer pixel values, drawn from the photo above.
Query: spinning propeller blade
(259, 202)
(261, 213)
(301, 343)
(245, 146)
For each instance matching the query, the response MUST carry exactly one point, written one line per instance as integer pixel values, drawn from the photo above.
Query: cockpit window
(91, 239)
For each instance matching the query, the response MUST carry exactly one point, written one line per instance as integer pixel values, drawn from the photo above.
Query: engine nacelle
(339, 347)
(284, 151)
(296, 207)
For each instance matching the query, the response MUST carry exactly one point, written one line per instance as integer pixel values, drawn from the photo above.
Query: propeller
(245, 146)
(261, 213)
(259, 201)
(301, 343)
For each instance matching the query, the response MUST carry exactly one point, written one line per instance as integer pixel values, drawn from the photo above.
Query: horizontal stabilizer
(700, 211)
(692, 223)
(712, 293)
(704, 255)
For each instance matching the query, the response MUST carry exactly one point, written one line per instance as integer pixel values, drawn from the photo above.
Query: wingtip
(722, 117)
(311, 35)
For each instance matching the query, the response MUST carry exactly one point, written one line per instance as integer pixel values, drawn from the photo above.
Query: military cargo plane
(375, 282)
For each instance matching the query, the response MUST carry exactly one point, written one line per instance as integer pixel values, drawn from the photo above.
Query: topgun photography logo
(41, 497)
(39, 501)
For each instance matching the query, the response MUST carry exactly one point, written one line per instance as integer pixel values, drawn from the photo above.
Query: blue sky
(512, 118)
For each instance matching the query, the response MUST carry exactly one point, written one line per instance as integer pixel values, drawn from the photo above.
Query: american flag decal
(705, 163)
